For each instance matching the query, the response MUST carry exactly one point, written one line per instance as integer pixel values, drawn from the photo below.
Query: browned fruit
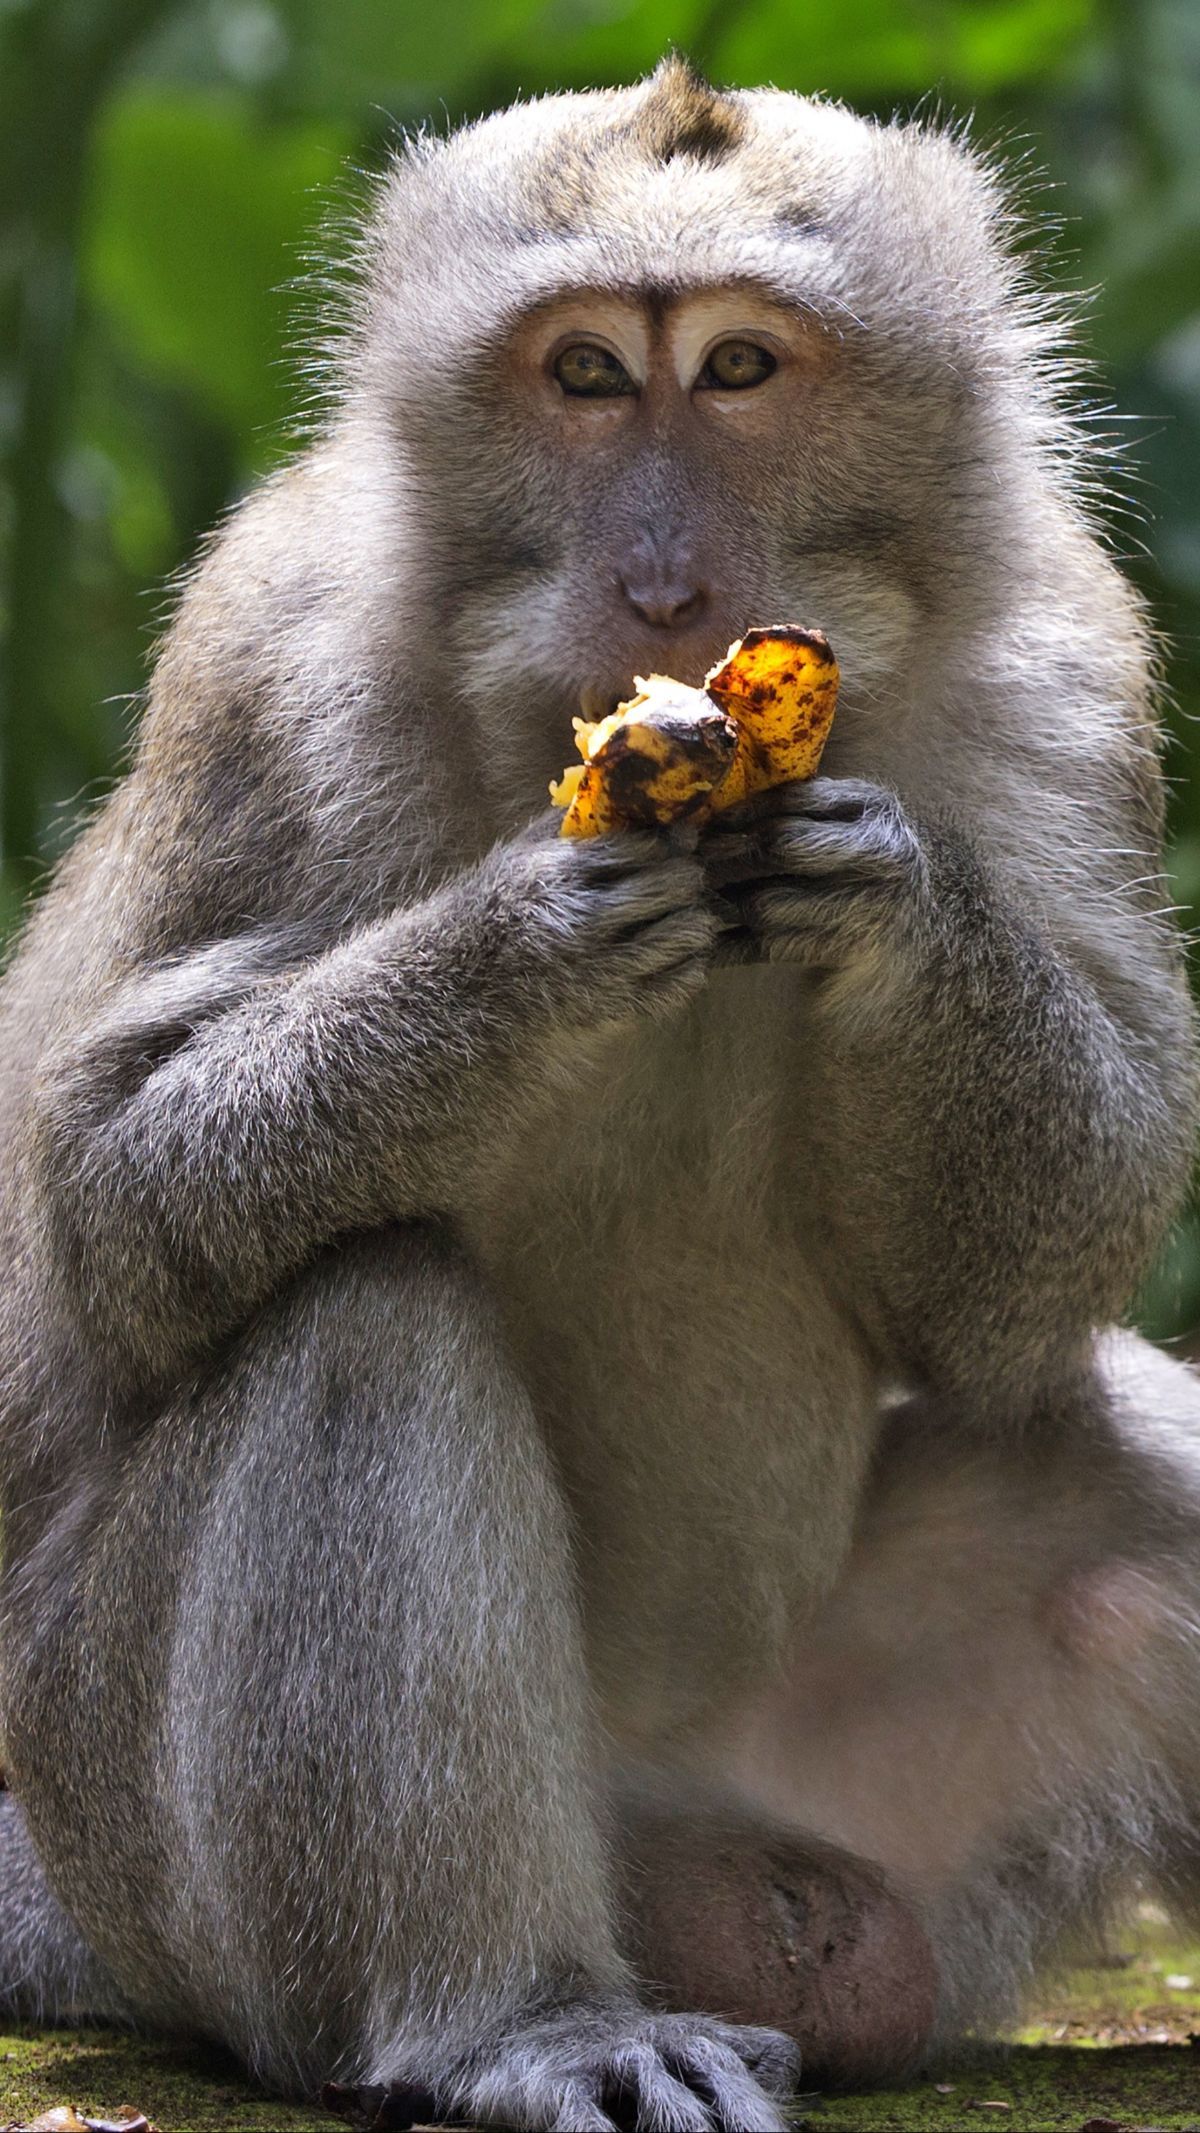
(780, 686)
(658, 758)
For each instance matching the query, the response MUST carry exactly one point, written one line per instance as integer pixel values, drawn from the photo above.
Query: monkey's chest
(707, 1405)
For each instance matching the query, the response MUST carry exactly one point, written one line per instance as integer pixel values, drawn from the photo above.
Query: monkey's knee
(420, 1270)
(392, 1322)
(738, 1919)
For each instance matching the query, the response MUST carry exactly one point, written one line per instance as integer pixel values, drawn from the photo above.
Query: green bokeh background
(169, 169)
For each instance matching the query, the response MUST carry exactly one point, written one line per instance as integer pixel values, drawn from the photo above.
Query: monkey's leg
(47, 1973)
(1001, 1703)
(335, 1595)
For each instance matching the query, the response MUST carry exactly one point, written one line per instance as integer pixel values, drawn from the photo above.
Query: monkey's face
(662, 471)
(664, 365)
(658, 423)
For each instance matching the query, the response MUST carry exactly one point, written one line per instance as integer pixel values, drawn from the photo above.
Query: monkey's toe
(611, 2070)
(764, 1929)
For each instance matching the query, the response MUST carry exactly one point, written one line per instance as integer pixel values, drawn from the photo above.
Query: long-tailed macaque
(574, 1518)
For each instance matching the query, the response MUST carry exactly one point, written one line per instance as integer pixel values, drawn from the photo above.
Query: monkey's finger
(737, 2102)
(613, 858)
(668, 996)
(773, 2058)
(673, 939)
(820, 798)
(682, 836)
(578, 2112)
(827, 799)
(794, 923)
(791, 904)
(735, 2094)
(646, 891)
(736, 946)
(874, 847)
(594, 858)
(640, 2071)
(625, 910)
(739, 2105)
(672, 989)
(620, 850)
(737, 856)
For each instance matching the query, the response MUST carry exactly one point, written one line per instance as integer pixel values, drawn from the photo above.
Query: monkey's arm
(1000, 1133)
(223, 1117)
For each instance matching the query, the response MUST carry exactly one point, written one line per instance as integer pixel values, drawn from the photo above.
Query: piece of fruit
(656, 759)
(673, 753)
(780, 686)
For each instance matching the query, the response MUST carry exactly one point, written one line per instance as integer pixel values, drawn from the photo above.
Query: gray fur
(455, 1277)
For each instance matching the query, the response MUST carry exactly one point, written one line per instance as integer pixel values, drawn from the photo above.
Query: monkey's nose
(667, 607)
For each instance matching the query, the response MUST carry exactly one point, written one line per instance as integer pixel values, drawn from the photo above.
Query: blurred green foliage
(167, 167)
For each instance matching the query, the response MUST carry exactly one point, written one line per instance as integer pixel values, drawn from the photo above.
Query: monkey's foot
(766, 1927)
(597, 2069)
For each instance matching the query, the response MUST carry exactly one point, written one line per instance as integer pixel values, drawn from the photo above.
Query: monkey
(581, 1528)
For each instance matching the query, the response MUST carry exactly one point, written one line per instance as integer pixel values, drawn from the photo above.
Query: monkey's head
(657, 364)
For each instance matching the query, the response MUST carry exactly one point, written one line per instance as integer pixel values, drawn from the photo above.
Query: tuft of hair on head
(683, 115)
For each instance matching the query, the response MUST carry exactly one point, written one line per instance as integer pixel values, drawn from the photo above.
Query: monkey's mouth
(596, 701)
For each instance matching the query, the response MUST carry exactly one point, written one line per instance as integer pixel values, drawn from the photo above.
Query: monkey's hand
(604, 928)
(823, 873)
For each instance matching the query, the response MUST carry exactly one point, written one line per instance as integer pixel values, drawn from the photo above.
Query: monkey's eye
(734, 365)
(589, 372)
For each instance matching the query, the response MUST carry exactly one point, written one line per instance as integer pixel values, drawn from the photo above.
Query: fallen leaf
(64, 2118)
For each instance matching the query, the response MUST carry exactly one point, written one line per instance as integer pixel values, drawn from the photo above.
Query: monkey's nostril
(690, 609)
(669, 608)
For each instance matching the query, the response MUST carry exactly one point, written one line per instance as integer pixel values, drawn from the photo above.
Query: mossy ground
(1112, 2043)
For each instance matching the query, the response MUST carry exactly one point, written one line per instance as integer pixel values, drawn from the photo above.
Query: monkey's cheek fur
(726, 1919)
(674, 753)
